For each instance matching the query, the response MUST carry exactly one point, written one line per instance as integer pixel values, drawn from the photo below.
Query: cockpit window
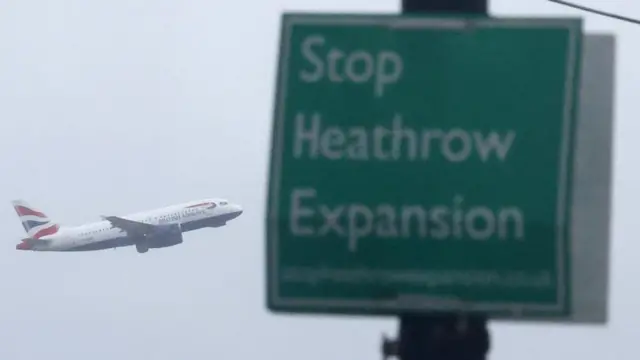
(223, 203)
(208, 205)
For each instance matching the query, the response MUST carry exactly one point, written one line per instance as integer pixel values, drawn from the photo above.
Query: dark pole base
(443, 337)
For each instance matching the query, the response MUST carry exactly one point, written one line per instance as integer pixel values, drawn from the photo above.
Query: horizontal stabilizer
(30, 243)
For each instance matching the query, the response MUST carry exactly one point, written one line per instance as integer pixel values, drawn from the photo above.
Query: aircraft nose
(237, 210)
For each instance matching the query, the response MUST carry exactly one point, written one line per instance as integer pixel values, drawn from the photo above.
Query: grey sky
(120, 106)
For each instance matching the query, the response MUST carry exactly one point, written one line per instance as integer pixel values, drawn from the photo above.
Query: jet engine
(163, 236)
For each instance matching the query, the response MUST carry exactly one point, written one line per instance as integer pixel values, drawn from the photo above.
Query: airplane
(152, 229)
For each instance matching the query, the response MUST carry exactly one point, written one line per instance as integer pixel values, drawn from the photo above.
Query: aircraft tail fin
(34, 222)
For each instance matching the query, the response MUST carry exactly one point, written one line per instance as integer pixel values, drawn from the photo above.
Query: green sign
(422, 163)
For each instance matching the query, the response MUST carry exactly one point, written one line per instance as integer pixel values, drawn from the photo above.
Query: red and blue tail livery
(35, 222)
(152, 229)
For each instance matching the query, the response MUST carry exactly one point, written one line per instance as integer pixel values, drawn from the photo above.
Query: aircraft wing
(130, 226)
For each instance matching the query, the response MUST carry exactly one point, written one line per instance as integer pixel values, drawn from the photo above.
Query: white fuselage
(103, 235)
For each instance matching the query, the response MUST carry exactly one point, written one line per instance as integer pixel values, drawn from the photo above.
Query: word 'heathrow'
(398, 142)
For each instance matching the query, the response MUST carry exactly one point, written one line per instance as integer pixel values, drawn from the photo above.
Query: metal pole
(445, 6)
(441, 336)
